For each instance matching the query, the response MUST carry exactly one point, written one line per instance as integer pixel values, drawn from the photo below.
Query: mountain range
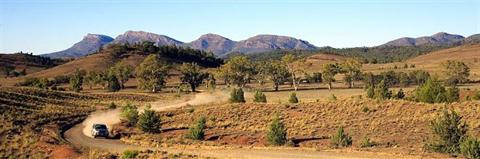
(221, 46)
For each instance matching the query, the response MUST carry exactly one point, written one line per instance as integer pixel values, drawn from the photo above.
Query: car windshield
(98, 126)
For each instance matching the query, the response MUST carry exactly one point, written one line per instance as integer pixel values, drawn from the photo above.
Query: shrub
(476, 96)
(381, 91)
(370, 92)
(149, 121)
(293, 98)
(130, 154)
(277, 133)
(129, 114)
(196, 132)
(448, 132)
(453, 94)
(470, 148)
(112, 106)
(432, 91)
(260, 97)
(236, 96)
(341, 139)
(333, 97)
(366, 142)
(400, 94)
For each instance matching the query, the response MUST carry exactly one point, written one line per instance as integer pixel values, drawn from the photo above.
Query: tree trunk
(276, 87)
(329, 85)
(294, 82)
(193, 87)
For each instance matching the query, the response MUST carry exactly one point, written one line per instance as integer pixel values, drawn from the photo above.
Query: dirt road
(79, 137)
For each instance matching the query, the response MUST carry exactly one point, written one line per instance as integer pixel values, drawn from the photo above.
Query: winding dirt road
(79, 137)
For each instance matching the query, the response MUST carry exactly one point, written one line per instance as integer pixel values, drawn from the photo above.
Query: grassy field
(32, 119)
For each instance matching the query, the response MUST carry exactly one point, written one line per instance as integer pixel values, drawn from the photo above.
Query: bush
(332, 97)
(470, 148)
(400, 94)
(381, 91)
(196, 132)
(149, 121)
(130, 154)
(476, 96)
(341, 139)
(293, 98)
(112, 106)
(366, 142)
(432, 91)
(236, 96)
(370, 92)
(129, 114)
(453, 94)
(260, 97)
(277, 133)
(448, 132)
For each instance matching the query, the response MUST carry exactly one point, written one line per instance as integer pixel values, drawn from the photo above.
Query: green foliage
(431, 92)
(332, 97)
(381, 91)
(129, 114)
(152, 73)
(341, 139)
(293, 98)
(448, 131)
(130, 154)
(456, 71)
(149, 121)
(76, 80)
(400, 94)
(476, 96)
(277, 71)
(238, 70)
(366, 142)
(328, 73)
(470, 148)
(259, 97)
(122, 72)
(192, 75)
(453, 94)
(370, 92)
(35, 82)
(352, 69)
(236, 96)
(113, 85)
(112, 106)
(197, 132)
(277, 133)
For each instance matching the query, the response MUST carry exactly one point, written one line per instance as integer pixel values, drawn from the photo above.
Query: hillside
(440, 38)
(17, 62)
(315, 62)
(470, 54)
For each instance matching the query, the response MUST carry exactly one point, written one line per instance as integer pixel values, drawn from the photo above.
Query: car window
(100, 127)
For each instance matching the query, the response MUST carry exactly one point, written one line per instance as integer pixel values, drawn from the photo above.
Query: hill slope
(89, 44)
(214, 43)
(440, 38)
(20, 61)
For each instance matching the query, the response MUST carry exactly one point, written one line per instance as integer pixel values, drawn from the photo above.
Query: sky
(44, 26)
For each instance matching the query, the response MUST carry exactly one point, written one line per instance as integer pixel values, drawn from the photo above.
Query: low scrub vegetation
(237, 96)
(341, 139)
(277, 133)
(196, 131)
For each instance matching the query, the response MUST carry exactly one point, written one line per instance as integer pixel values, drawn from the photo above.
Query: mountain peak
(89, 44)
(133, 37)
(440, 38)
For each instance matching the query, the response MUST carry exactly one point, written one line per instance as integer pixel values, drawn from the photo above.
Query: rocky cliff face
(261, 43)
(89, 44)
(214, 43)
(133, 37)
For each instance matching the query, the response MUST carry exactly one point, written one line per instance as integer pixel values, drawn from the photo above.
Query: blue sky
(44, 26)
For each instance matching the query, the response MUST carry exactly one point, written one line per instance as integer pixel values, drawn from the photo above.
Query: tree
(456, 72)
(289, 61)
(470, 148)
(370, 92)
(122, 72)
(277, 133)
(328, 73)
(197, 132)
(76, 80)
(129, 114)
(352, 71)
(277, 72)
(149, 121)
(259, 97)
(448, 131)
(400, 94)
(192, 75)
(238, 70)
(341, 139)
(151, 73)
(113, 84)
